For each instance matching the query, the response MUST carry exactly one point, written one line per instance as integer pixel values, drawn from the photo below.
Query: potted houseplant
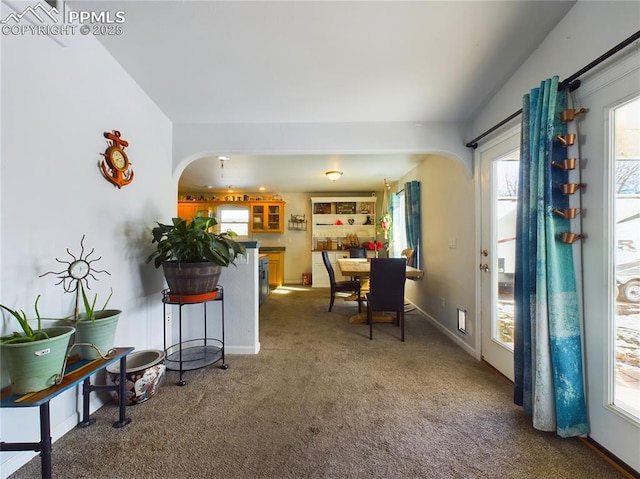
(95, 329)
(34, 359)
(191, 255)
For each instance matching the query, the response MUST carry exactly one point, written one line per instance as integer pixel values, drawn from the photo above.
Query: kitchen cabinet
(276, 268)
(188, 209)
(267, 217)
(263, 278)
(264, 217)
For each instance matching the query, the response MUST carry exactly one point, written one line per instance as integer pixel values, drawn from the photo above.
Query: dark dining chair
(408, 255)
(386, 290)
(340, 286)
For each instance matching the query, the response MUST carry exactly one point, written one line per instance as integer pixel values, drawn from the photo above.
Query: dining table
(361, 268)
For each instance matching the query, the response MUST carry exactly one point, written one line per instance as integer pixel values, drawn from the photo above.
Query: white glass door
(610, 168)
(498, 163)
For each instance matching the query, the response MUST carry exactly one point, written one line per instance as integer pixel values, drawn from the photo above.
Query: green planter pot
(35, 365)
(100, 333)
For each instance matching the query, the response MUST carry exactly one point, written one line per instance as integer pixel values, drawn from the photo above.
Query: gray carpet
(321, 400)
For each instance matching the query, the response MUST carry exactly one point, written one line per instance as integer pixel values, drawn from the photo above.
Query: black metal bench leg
(86, 394)
(122, 395)
(45, 441)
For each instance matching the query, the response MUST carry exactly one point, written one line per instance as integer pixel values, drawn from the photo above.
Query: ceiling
(270, 62)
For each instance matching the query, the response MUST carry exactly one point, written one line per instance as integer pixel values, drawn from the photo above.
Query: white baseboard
(447, 332)
(242, 349)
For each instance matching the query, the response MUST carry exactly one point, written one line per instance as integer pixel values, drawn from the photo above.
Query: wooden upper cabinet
(264, 217)
(188, 209)
(267, 217)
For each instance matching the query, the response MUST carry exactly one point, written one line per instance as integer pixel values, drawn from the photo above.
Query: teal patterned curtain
(412, 219)
(549, 377)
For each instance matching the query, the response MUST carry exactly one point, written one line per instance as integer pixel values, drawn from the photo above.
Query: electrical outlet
(442, 302)
(167, 316)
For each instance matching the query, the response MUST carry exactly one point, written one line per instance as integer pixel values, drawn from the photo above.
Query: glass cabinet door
(273, 218)
(257, 218)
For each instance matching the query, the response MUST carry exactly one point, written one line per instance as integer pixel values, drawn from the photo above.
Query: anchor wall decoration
(115, 167)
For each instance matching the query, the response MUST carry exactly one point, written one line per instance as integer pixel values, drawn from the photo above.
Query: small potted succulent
(34, 358)
(95, 329)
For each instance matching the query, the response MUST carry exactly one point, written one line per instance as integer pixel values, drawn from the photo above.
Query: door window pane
(505, 182)
(626, 230)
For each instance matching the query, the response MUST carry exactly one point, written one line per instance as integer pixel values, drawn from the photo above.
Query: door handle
(484, 267)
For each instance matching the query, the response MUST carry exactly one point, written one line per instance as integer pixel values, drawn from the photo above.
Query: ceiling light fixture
(222, 160)
(334, 175)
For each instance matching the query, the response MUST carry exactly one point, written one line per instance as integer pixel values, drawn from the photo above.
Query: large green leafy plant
(194, 243)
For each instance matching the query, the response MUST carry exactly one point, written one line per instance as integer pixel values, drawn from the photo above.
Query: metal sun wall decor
(76, 275)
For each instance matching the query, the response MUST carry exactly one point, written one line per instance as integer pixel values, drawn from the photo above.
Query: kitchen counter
(271, 249)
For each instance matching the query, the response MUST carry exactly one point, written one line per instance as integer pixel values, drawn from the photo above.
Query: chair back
(357, 253)
(327, 264)
(386, 285)
(408, 254)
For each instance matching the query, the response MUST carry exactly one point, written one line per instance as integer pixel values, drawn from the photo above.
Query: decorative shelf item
(567, 140)
(570, 114)
(570, 238)
(566, 164)
(298, 223)
(568, 213)
(570, 188)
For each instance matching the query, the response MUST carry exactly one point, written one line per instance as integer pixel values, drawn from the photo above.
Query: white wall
(196, 140)
(448, 214)
(590, 29)
(56, 104)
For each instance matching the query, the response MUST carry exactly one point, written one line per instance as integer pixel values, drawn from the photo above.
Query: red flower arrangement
(373, 246)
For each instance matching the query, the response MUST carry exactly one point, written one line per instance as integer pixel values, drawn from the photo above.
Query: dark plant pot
(191, 278)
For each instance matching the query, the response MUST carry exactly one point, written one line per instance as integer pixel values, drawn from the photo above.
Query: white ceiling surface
(323, 61)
